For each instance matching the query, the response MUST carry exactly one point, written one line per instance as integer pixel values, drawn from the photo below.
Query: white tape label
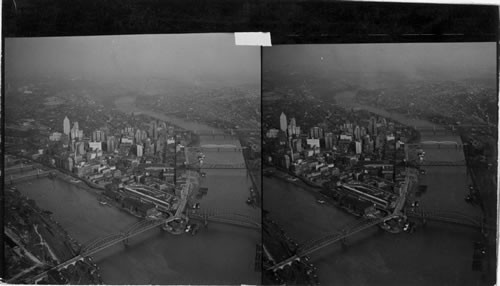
(253, 39)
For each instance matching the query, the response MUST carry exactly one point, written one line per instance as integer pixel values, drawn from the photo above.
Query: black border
(289, 21)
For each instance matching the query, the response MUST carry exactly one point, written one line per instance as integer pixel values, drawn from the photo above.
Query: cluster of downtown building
(143, 159)
(366, 151)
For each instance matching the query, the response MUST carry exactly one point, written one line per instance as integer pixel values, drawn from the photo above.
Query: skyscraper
(111, 144)
(357, 132)
(373, 126)
(138, 136)
(358, 147)
(293, 123)
(139, 150)
(154, 130)
(66, 126)
(98, 136)
(316, 132)
(283, 123)
(329, 141)
(75, 131)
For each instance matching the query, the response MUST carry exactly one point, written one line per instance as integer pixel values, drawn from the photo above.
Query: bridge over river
(451, 217)
(18, 169)
(11, 179)
(96, 245)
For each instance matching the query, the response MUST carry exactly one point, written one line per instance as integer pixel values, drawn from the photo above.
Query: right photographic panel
(379, 163)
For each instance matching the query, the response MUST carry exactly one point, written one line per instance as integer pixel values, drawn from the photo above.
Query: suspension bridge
(427, 163)
(328, 239)
(450, 128)
(225, 216)
(14, 179)
(96, 245)
(217, 149)
(451, 217)
(18, 169)
(223, 166)
(227, 133)
(439, 144)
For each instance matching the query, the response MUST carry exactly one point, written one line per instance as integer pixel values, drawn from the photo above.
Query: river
(437, 254)
(220, 254)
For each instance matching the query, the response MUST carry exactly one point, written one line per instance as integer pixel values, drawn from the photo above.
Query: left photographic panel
(132, 159)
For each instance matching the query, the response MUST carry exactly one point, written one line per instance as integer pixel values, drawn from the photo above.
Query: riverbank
(278, 246)
(34, 230)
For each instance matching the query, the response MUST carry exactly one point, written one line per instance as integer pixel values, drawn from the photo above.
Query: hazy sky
(412, 59)
(184, 56)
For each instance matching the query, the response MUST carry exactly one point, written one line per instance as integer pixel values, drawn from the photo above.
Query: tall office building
(283, 123)
(358, 147)
(139, 150)
(357, 132)
(75, 132)
(111, 144)
(329, 141)
(373, 126)
(154, 131)
(98, 136)
(293, 128)
(138, 136)
(363, 131)
(66, 126)
(80, 148)
(297, 145)
(144, 135)
(316, 133)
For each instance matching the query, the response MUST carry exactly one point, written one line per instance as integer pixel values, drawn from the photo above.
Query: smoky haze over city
(186, 58)
(386, 135)
(411, 61)
(113, 137)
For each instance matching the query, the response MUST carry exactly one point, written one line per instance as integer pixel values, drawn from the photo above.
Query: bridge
(452, 217)
(427, 163)
(96, 245)
(227, 132)
(452, 128)
(439, 144)
(434, 129)
(216, 166)
(216, 149)
(99, 244)
(11, 179)
(18, 169)
(328, 239)
(223, 166)
(225, 216)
